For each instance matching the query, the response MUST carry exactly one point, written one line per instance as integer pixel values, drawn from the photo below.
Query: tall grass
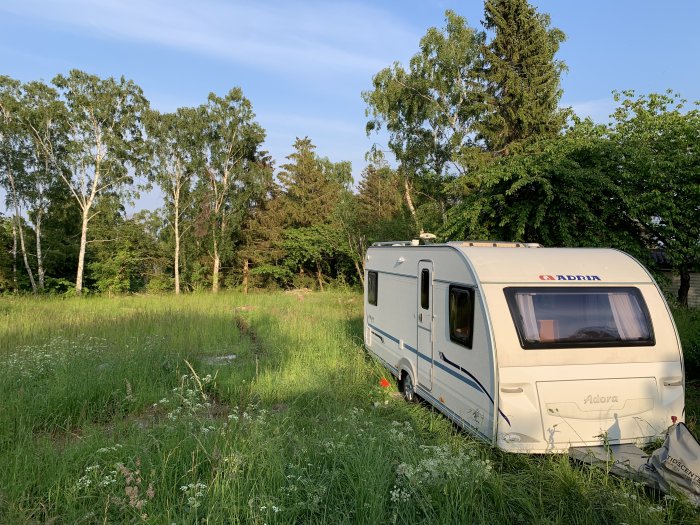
(135, 410)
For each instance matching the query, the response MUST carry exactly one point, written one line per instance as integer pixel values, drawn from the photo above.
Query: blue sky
(304, 64)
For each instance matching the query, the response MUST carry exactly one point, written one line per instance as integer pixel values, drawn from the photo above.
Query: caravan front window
(565, 317)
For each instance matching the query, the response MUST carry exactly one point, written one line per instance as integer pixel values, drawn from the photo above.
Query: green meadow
(257, 409)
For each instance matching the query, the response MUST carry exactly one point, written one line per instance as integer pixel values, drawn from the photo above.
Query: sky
(304, 64)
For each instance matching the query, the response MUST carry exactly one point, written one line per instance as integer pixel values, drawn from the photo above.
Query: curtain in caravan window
(579, 316)
(628, 317)
(527, 312)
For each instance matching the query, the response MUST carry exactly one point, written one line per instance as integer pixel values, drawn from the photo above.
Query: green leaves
(430, 110)
(521, 76)
(560, 192)
(659, 153)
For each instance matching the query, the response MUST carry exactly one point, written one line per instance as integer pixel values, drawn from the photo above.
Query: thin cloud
(278, 35)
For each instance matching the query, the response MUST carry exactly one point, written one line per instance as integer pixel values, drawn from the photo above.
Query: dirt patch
(279, 407)
(244, 308)
(299, 293)
(157, 414)
(62, 439)
(214, 360)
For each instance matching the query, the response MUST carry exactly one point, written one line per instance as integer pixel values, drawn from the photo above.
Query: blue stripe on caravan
(389, 336)
(429, 359)
(475, 383)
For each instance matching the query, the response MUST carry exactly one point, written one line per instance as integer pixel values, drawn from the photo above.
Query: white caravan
(533, 349)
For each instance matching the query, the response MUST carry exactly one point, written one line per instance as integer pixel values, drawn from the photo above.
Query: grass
(133, 409)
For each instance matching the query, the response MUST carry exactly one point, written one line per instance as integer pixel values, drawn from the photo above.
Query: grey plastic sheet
(673, 466)
(677, 463)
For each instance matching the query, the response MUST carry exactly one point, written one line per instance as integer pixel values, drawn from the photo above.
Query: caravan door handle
(512, 390)
(673, 383)
(420, 317)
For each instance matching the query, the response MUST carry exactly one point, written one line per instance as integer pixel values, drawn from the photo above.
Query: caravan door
(424, 316)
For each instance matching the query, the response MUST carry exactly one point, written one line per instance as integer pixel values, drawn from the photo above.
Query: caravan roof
(569, 266)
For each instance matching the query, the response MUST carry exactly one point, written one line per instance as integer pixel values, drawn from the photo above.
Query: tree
(381, 213)
(431, 110)
(233, 141)
(44, 121)
(262, 239)
(659, 143)
(521, 75)
(559, 191)
(105, 142)
(14, 151)
(131, 258)
(313, 189)
(376, 213)
(7, 278)
(177, 142)
(312, 186)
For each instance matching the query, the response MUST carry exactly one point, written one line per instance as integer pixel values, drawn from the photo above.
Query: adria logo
(569, 278)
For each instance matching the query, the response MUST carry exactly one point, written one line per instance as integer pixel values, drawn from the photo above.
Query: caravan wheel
(407, 388)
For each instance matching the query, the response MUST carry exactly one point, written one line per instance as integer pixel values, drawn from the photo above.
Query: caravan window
(425, 289)
(461, 315)
(580, 317)
(372, 288)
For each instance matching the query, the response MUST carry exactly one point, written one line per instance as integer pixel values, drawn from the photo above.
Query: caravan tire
(407, 388)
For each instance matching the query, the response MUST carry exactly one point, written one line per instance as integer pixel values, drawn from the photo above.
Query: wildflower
(384, 383)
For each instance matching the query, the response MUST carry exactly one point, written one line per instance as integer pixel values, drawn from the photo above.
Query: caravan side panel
(388, 333)
(457, 379)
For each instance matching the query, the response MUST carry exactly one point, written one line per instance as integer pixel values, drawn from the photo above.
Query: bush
(688, 323)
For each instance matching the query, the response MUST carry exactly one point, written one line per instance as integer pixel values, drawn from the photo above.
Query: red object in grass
(384, 383)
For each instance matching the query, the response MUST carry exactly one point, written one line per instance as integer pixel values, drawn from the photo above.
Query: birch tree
(14, 150)
(44, 121)
(105, 142)
(177, 141)
(233, 142)
(431, 112)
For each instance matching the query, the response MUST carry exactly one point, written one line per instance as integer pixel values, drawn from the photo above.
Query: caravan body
(533, 349)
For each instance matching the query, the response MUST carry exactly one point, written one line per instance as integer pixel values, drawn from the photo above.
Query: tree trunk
(245, 276)
(360, 273)
(319, 276)
(685, 285)
(24, 256)
(409, 202)
(18, 222)
(177, 249)
(81, 253)
(14, 256)
(39, 257)
(215, 270)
